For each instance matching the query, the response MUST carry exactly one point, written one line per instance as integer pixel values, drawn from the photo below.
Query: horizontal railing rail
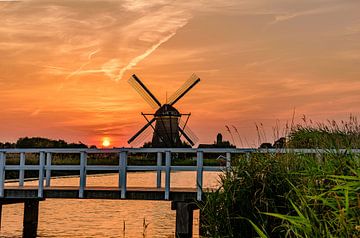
(45, 166)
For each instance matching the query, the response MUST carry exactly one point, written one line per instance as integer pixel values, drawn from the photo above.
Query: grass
(291, 195)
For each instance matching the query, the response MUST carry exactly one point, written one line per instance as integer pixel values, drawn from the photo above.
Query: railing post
(2, 173)
(228, 161)
(48, 169)
(167, 174)
(123, 171)
(247, 156)
(199, 175)
(158, 172)
(83, 162)
(22, 171)
(41, 174)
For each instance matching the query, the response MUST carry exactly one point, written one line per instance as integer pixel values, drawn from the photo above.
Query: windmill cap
(167, 110)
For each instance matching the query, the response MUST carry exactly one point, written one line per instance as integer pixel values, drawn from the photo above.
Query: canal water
(106, 218)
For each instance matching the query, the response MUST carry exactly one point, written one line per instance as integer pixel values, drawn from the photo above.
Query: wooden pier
(183, 199)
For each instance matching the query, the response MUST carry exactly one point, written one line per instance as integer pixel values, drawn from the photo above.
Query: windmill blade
(144, 92)
(189, 84)
(187, 133)
(141, 130)
(145, 136)
(182, 132)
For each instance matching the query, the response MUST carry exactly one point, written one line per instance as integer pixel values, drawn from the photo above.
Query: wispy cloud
(289, 16)
(141, 57)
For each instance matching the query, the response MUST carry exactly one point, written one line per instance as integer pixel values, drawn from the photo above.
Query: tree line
(39, 142)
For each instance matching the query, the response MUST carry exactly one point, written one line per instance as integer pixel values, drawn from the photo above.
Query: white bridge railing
(45, 165)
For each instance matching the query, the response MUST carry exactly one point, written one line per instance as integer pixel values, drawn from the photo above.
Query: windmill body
(168, 126)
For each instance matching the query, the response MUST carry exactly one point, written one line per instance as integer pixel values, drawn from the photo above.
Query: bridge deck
(72, 192)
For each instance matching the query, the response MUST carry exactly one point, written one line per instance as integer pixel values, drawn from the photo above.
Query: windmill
(169, 127)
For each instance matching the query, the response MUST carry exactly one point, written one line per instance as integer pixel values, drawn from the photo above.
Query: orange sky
(64, 65)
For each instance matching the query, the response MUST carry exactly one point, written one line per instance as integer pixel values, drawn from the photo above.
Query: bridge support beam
(31, 216)
(184, 218)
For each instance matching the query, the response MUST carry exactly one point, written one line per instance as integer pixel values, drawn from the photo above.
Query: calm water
(105, 218)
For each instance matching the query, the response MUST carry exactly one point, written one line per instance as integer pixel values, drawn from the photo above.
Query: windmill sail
(144, 92)
(166, 123)
(189, 84)
(188, 133)
(141, 130)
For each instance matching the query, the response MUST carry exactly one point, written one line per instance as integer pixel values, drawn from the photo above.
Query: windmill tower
(169, 127)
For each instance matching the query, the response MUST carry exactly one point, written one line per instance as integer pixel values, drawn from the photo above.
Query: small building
(219, 143)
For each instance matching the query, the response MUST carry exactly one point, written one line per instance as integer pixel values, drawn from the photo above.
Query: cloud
(289, 16)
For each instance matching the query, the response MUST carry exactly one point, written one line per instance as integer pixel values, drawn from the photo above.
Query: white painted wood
(228, 161)
(2, 173)
(21, 170)
(41, 174)
(48, 169)
(167, 174)
(199, 174)
(181, 150)
(158, 172)
(123, 173)
(122, 168)
(83, 163)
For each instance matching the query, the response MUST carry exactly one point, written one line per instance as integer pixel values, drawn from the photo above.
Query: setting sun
(106, 142)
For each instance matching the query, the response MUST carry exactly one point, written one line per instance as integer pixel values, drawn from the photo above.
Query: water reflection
(105, 218)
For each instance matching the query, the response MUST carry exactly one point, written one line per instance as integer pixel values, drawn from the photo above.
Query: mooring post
(31, 216)
(158, 172)
(184, 218)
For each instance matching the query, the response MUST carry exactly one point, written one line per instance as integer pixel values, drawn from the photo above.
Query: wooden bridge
(182, 198)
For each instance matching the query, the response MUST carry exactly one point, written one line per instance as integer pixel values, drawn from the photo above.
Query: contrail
(79, 70)
(139, 58)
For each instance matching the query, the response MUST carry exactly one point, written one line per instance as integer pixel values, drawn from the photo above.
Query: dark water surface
(105, 218)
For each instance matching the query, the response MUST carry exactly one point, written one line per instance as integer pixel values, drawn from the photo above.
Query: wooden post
(158, 172)
(228, 161)
(0, 214)
(184, 219)
(83, 162)
(167, 174)
(123, 171)
(199, 175)
(41, 174)
(31, 215)
(22, 171)
(48, 169)
(2, 173)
